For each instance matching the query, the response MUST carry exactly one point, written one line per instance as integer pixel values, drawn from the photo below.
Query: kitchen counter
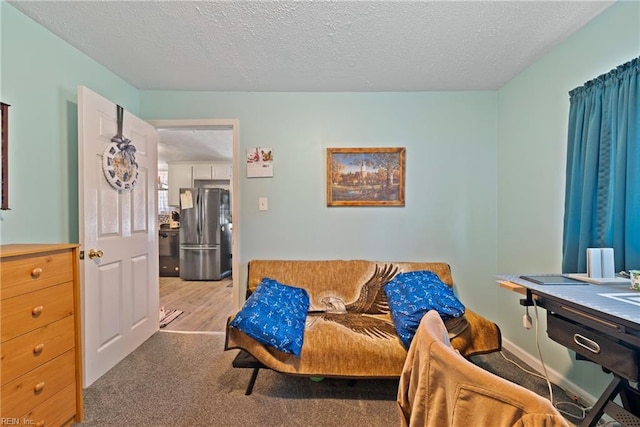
(166, 227)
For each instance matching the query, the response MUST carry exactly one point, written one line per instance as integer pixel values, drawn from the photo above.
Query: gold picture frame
(365, 176)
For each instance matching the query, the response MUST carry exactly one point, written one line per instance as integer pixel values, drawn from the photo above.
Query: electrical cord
(579, 408)
(544, 367)
(609, 424)
(522, 368)
(583, 410)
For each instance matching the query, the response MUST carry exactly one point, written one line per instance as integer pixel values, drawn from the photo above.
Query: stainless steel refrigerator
(205, 234)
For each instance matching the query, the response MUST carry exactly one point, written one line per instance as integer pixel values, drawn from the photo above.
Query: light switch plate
(263, 204)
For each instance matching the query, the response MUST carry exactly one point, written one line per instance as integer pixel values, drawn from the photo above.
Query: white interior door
(120, 291)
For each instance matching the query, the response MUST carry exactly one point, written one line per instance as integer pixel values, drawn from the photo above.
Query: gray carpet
(187, 380)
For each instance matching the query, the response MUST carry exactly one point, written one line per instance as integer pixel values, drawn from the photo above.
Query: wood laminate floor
(205, 305)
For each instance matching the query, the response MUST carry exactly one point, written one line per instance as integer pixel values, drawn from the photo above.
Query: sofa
(347, 328)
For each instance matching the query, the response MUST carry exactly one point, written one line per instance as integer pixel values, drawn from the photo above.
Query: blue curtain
(602, 194)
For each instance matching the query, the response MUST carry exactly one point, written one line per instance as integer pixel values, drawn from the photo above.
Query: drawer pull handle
(38, 388)
(36, 272)
(587, 343)
(38, 349)
(37, 311)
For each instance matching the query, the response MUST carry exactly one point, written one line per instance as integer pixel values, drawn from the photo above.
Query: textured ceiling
(195, 144)
(308, 46)
(314, 45)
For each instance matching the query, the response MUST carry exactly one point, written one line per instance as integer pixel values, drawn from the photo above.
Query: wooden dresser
(40, 348)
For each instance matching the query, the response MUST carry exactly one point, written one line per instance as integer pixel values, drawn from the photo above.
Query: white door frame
(235, 185)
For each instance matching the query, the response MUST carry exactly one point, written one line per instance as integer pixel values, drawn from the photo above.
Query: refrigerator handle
(198, 214)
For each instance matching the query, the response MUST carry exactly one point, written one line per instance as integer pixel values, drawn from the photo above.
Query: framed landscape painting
(365, 176)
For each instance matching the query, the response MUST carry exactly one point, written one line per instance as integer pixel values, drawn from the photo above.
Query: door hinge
(81, 254)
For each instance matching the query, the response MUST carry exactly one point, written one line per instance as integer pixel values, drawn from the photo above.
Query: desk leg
(598, 409)
(626, 416)
(631, 399)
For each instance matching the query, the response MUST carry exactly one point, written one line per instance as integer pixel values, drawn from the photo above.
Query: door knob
(93, 253)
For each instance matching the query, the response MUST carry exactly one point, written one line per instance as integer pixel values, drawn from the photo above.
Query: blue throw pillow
(274, 315)
(412, 294)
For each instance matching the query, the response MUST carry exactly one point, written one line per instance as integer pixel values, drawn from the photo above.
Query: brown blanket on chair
(438, 387)
(347, 342)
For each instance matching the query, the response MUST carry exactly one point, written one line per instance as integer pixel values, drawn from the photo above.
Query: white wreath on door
(118, 160)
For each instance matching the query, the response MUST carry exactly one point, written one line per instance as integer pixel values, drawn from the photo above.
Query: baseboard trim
(195, 332)
(555, 377)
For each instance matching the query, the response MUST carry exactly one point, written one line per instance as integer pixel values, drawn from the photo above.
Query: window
(602, 207)
(163, 192)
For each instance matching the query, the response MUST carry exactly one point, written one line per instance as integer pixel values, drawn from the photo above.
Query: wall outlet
(263, 204)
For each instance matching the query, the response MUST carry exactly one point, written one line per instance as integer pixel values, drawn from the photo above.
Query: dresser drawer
(595, 346)
(34, 348)
(35, 387)
(53, 412)
(27, 312)
(28, 273)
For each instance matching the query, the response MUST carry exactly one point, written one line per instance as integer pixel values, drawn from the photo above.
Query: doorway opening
(191, 144)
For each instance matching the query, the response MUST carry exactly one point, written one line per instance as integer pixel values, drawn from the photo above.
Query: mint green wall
(40, 74)
(475, 162)
(533, 112)
(450, 138)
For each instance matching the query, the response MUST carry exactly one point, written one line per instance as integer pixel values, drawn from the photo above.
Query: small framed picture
(365, 176)
(259, 162)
